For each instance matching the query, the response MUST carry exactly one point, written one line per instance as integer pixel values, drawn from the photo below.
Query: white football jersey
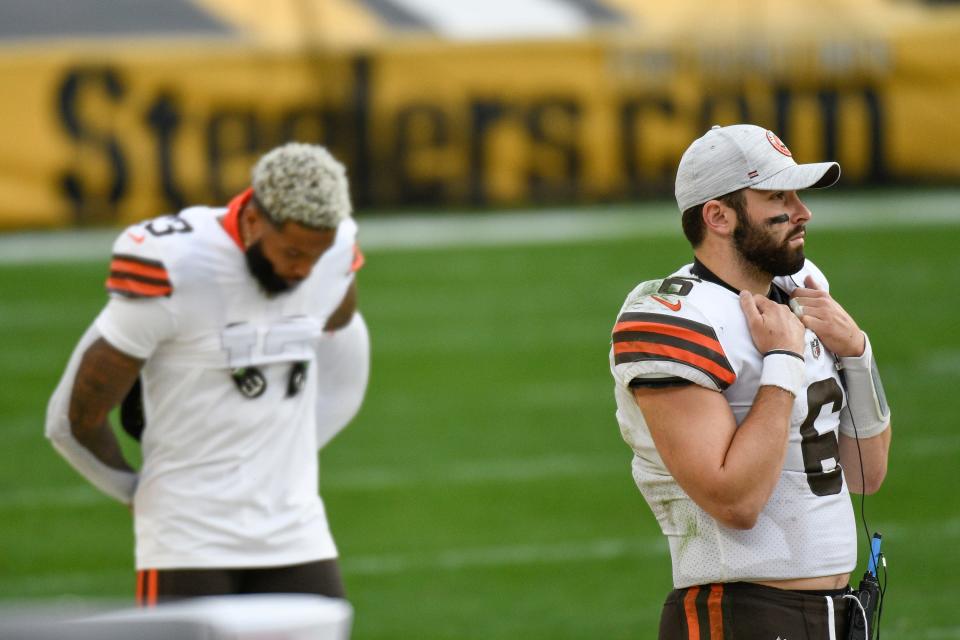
(692, 328)
(230, 472)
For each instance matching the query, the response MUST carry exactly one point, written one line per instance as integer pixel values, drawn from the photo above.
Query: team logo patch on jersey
(815, 347)
(250, 381)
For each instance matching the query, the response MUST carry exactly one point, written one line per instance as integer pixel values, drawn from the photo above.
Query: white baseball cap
(726, 159)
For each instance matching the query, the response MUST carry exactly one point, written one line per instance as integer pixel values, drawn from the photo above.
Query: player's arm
(105, 376)
(864, 421)
(874, 453)
(343, 368)
(731, 471)
(105, 364)
(867, 416)
(117, 483)
(343, 351)
(345, 310)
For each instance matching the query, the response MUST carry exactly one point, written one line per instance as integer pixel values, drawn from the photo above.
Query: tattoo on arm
(103, 379)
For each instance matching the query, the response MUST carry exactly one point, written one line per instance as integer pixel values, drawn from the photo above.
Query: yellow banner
(97, 135)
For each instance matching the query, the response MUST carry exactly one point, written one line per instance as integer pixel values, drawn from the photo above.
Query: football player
(241, 324)
(748, 396)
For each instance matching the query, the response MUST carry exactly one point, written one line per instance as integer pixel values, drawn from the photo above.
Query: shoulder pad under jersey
(661, 334)
(137, 268)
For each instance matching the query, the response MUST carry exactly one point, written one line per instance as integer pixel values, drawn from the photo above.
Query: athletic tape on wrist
(784, 369)
(866, 413)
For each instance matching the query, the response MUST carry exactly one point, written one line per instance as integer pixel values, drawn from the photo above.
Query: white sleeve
(113, 482)
(333, 274)
(140, 313)
(654, 343)
(136, 326)
(343, 368)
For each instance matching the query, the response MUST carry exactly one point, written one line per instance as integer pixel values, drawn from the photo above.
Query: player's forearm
(104, 377)
(115, 483)
(874, 452)
(754, 460)
(341, 377)
(90, 427)
(343, 314)
(102, 443)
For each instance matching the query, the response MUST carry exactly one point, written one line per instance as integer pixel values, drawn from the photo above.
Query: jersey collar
(701, 271)
(231, 221)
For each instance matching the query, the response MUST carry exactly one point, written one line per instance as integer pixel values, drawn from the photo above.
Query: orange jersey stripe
(152, 587)
(715, 612)
(724, 374)
(124, 285)
(670, 330)
(129, 266)
(690, 608)
(358, 259)
(140, 588)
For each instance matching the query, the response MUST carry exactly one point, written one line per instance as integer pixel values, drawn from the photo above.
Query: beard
(764, 253)
(262, 270)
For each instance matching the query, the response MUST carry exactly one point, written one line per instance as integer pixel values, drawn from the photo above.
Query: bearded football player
(750, 397)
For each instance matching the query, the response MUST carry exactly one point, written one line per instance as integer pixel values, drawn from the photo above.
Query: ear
(719, 218)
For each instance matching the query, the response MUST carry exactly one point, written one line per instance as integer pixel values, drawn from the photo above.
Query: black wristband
(783, 352)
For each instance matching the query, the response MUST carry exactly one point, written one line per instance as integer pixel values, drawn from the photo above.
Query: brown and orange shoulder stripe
(136, 277)
(641, 336)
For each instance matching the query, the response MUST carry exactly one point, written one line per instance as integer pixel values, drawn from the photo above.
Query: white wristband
(784, 369)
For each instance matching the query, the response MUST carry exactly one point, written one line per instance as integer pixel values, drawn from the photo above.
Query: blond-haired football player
(241, 324)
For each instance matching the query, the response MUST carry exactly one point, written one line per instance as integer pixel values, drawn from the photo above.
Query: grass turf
(484, 491)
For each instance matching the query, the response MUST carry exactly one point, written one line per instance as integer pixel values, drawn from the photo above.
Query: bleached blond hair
(302, 183)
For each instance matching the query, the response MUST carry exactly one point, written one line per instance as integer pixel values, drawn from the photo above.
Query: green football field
(484, 491)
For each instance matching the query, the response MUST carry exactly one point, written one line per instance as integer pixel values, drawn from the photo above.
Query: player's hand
(825, 317)
(772, 325)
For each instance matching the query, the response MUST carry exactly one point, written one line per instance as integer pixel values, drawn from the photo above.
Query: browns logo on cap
(778, 144)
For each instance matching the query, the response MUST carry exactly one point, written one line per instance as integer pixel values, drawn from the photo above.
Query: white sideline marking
(943, 363)
(929, 446)
(907, 530)
(524, 228)
(80, 495)
(942, 633)
(387, 233)
(470, 472)
(473, 472)
(500, 556)
(386, 564)
(465, 473)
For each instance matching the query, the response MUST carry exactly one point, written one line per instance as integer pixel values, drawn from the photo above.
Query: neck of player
(730, 267)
